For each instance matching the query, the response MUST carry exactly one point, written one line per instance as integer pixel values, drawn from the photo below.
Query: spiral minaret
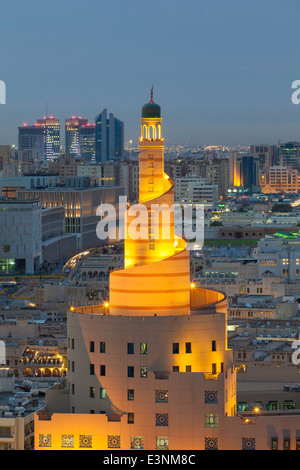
(156, 275)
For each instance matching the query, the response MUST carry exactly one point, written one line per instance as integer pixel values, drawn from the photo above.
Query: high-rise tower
(72, 127)
(51, 127)
(109, 138)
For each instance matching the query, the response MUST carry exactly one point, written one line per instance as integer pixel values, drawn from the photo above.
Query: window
(72, 343)
(5, 248)
(92, 346)
(274, 444)
(175, 348)
(188, 348)
(130, 394)
(143, 348)
(144, 371)
(286, 444)
(130, 418)
(130, 348)
(102, 347)
(214, 369)
(73, 389)
(102, 393)
(73, 366)
(297, 444)
(92, 392)
(162, 443)
(161, 396)
(102, 370)
(92, 369)
(130, 371)
(211, 420)
(188, 368)
(175, 368)
(213, 346)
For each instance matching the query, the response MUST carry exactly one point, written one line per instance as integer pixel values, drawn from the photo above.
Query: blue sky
(222, 69)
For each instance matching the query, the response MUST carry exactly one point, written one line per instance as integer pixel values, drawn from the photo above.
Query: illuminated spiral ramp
(156, 275)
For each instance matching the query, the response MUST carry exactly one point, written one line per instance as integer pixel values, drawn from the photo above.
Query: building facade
(109, 137)
(72, 139)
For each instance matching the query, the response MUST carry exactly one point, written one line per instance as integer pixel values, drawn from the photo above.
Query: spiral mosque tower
(150, 366)
(156, 274)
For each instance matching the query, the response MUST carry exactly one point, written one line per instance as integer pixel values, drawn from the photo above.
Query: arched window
(152, 132)
(145, 132)
(159, 131)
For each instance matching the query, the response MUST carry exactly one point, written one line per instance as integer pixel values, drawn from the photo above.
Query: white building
(195, 190)
(20, 236)
(279, 255)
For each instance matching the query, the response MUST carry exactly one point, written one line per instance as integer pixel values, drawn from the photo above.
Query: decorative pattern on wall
(211, 443)
(162, 419)
(45, 440)
(67, 440)
(161, 396)
(211, 397)
(137, 442)
(114, 442)
(85, 441)
(248, 443)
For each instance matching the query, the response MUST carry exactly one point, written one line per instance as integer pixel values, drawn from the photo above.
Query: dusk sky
(222, 69)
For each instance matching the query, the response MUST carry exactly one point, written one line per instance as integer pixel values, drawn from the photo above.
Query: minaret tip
(151, 95)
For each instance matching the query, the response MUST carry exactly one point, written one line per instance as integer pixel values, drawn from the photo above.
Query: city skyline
(221, 71)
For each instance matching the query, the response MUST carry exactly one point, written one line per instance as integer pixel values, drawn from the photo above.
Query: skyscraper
(51, 128)
(109, 137)
(31, 143)
(72, 128)
(87, 141)
(244, 170)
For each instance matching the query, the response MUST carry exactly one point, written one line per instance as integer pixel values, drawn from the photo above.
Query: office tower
(72, 140)
(87, 142)
(51, 128)
(289, 155)
(109, 137)
(266, 155)
(31, 143)
(5, 155)
(249, 172)
(244, 171)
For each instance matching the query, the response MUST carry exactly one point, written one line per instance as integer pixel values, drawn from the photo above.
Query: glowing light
(192, 285)
(72, 309)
